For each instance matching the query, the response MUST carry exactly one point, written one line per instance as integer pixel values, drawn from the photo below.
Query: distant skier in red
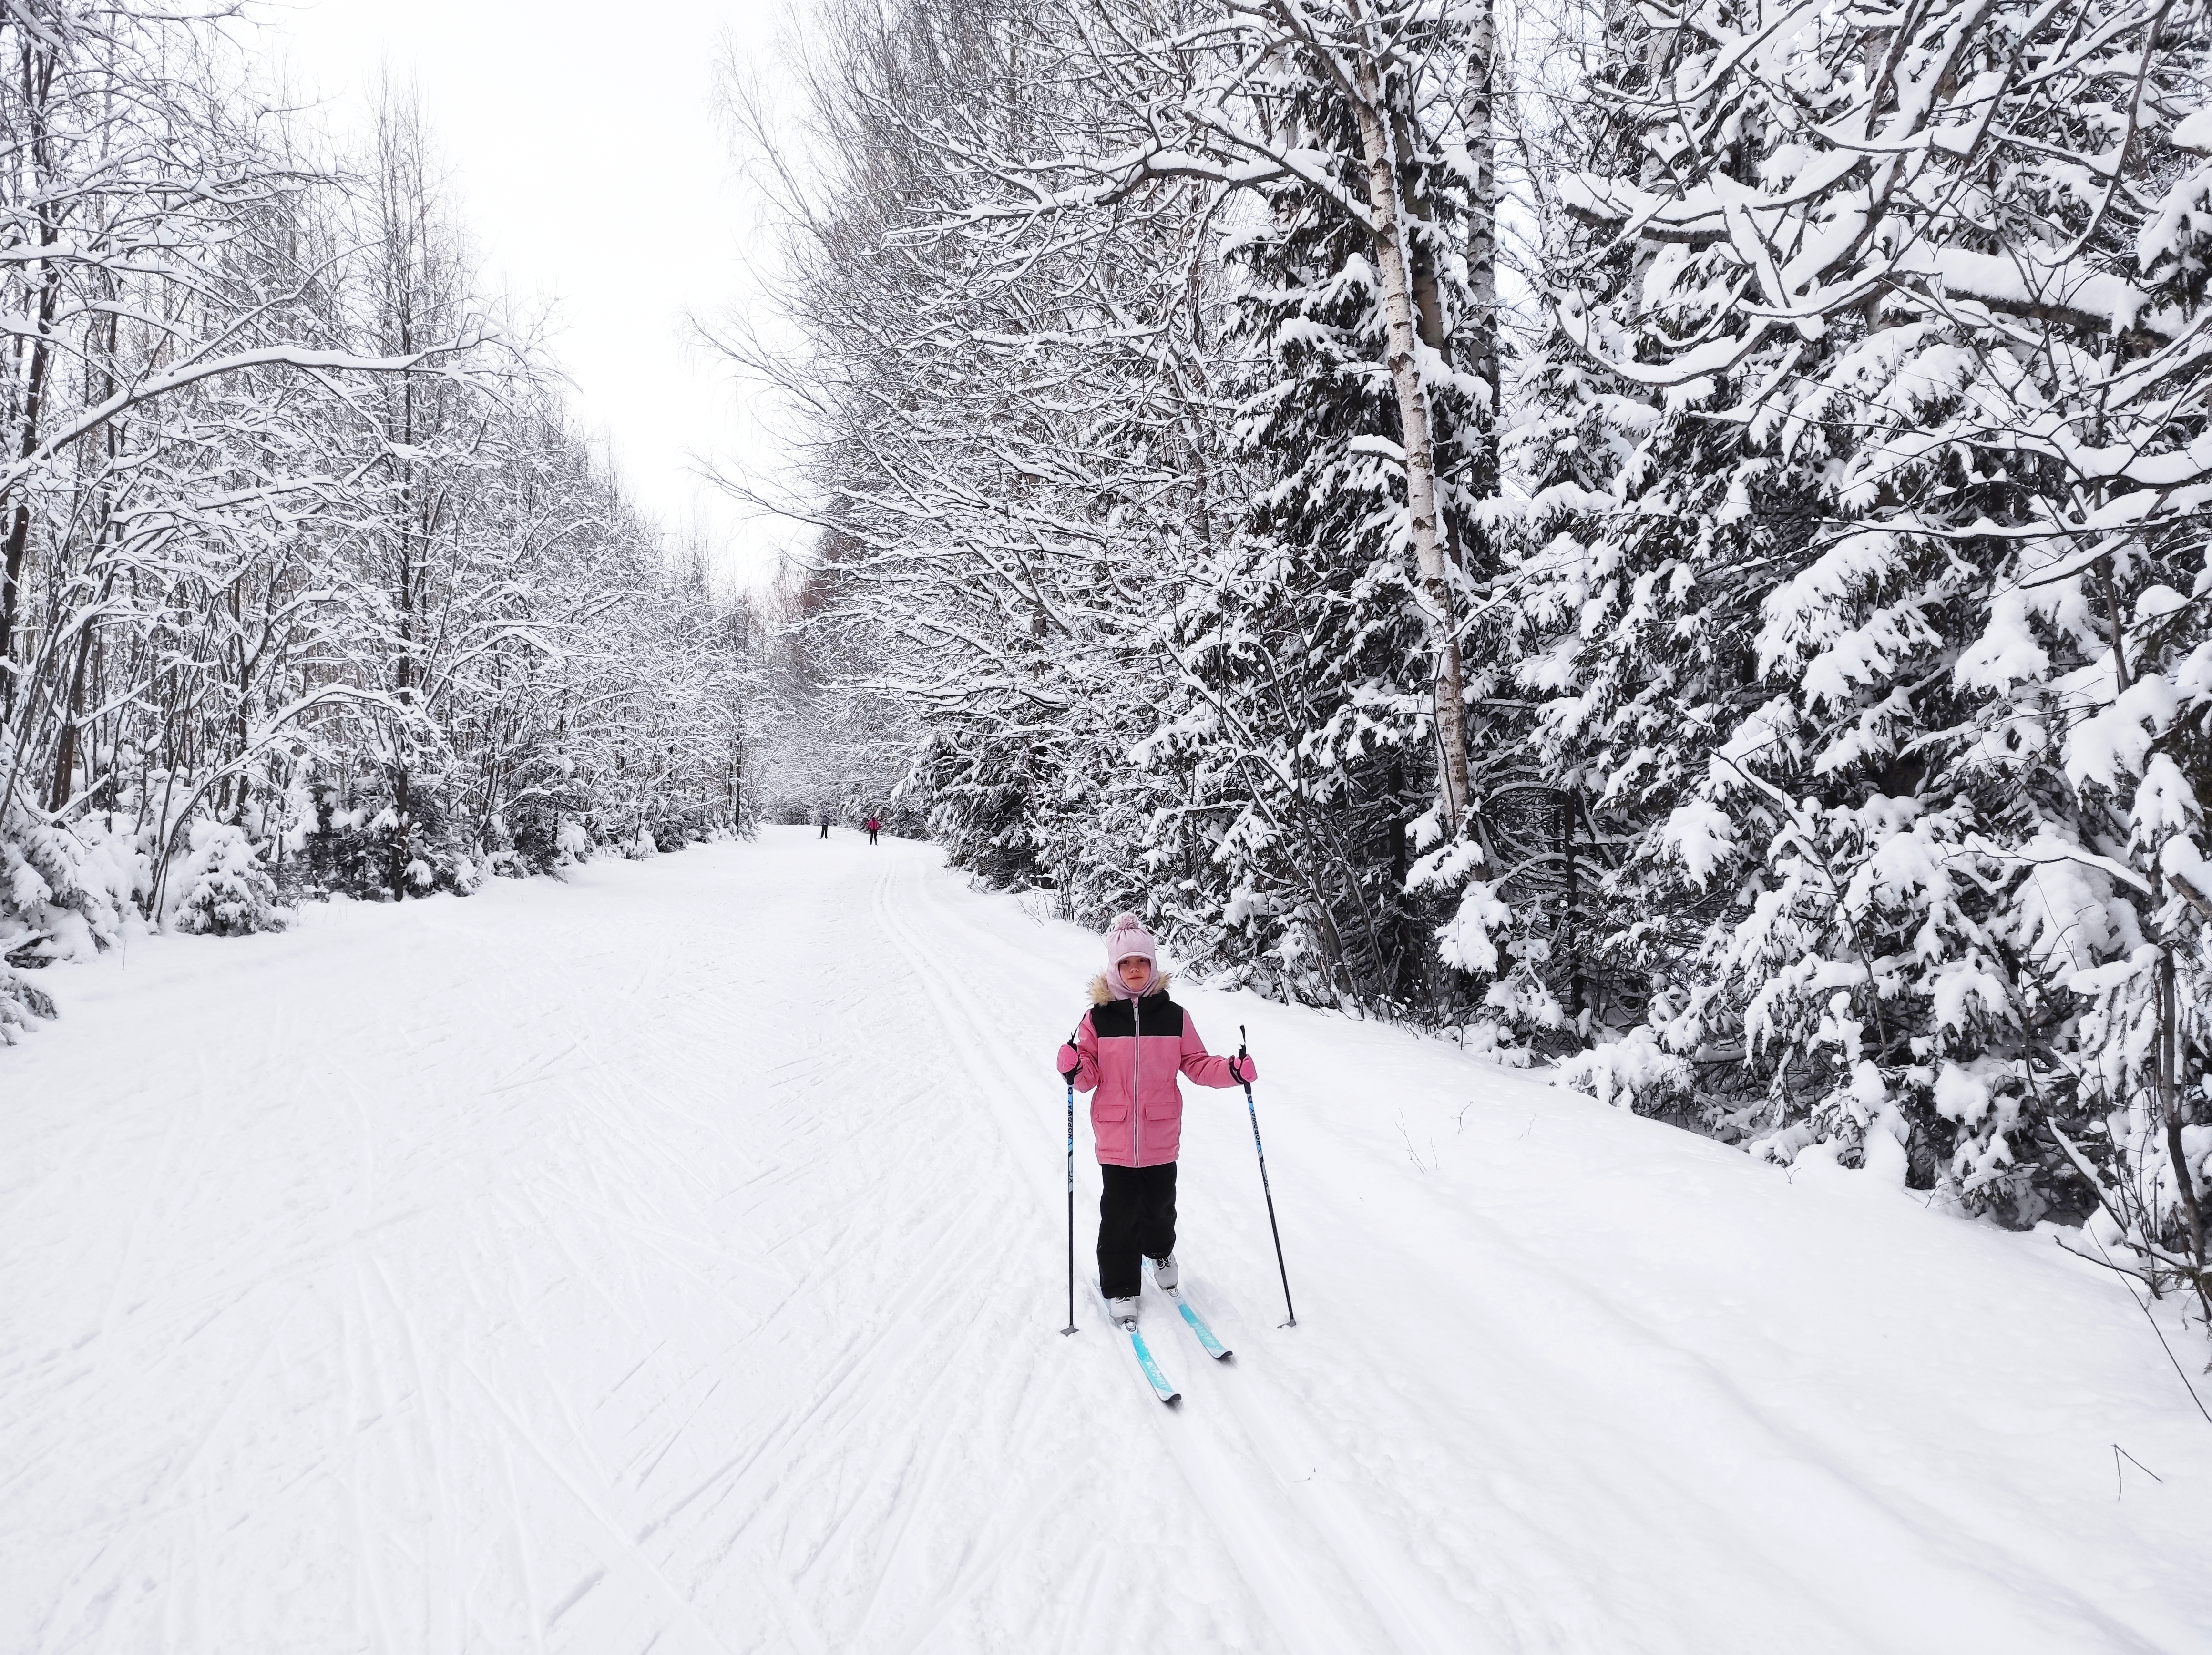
(874, 827)
(1128, 1052)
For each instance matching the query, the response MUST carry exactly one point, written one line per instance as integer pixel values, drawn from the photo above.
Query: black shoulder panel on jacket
(1116, 1018)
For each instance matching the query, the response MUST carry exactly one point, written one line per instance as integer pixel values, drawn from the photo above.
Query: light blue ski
(1192, 1320)
(1196, 1324)
(1161, 1386)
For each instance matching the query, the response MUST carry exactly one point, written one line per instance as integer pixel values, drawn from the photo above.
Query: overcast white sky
(588, 163)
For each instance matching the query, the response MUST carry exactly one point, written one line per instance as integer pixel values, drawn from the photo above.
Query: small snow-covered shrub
(1522, 1003)
(20, 1002)
(1634, 1072)
(221, 887)
(1486, 1038)
(572, 843)
(65, 892)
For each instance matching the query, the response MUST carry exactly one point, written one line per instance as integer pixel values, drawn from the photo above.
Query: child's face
(1136, 971)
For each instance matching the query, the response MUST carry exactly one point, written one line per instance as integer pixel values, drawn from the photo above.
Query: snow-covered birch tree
(307, 583)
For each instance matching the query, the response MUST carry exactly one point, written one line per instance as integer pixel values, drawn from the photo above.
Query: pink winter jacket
(1129, 1053)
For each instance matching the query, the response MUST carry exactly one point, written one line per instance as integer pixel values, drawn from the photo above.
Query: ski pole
(1070, 1328)
(1259, 1150)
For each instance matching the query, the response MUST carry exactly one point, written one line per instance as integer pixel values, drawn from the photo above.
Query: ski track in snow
(674, 1260)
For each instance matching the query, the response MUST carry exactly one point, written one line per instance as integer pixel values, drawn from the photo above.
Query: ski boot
(1164, 1274)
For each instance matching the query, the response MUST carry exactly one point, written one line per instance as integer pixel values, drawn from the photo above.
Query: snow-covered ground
(674, 1260)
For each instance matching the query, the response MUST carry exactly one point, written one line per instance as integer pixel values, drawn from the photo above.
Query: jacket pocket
(1111, 1113)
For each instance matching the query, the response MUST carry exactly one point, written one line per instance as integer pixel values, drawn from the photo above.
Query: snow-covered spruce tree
(1303, 633)
(1882, 340)
(1371, 312)
(2138, 742)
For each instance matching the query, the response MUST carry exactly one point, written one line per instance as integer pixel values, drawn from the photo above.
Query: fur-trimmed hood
(1102, 990)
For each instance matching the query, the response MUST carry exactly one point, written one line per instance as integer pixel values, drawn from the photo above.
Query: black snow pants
(1136, 1215)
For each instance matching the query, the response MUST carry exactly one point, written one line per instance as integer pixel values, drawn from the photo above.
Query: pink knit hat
(1126, 938)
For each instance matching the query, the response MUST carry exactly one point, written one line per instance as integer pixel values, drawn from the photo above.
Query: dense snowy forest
(310, 585)
(1625, 590)
(1671, 537)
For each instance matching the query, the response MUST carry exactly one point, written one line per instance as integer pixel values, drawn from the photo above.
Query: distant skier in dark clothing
(873, 827)
(825, 827)
(1128, 1052)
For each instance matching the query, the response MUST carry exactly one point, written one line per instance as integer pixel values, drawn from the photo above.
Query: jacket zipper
(1136, 1081)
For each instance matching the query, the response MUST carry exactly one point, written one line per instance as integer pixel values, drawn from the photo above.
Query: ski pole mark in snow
(673, 1260)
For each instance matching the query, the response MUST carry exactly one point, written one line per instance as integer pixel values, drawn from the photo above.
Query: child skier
(1127, 1051)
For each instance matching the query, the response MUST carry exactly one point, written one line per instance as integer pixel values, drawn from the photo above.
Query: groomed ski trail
(673, 1259)
(1273, 1566)
(1291, 1570)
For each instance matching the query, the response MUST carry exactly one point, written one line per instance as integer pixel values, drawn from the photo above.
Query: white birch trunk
(1425, 524)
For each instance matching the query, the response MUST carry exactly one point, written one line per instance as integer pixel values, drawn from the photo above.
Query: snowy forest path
(674, 1259)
